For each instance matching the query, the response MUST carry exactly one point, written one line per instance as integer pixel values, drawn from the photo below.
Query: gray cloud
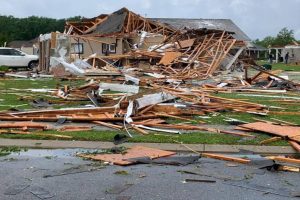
(258, 18)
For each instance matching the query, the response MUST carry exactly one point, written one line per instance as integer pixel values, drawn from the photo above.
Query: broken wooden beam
(226, 158)
(295, 145)
(284, 159)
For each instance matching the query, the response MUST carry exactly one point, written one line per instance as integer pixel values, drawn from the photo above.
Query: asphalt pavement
(59, 174)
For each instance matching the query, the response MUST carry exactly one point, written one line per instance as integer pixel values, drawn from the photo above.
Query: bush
(4, 68)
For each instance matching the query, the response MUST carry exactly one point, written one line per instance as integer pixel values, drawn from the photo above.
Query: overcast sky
(257, 18)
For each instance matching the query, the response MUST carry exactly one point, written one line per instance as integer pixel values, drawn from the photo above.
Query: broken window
(77, 48)
(109, 48)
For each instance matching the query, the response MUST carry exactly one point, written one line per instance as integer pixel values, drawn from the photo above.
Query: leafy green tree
(266, 42)
(284, 37)
(29, 28)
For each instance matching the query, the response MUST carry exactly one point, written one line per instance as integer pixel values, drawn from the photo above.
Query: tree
(28, 28)
(266, 42)
(285, 37)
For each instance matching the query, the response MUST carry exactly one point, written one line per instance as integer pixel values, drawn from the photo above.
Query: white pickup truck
(15, 58)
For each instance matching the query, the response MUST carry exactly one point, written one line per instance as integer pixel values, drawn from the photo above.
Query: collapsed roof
(122, 21)
(210, 24)
(80, 27)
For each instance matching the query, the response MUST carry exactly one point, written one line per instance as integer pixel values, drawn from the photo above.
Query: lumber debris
(295, 145)
(16, 132)
(290, 132)
(150, 77)
(284, 159)
(226, 158)
(134, 152)
(270, 140)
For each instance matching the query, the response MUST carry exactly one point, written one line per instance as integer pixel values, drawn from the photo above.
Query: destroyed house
(113, 34)
(123, 32)
(214, 24)
(210, 24)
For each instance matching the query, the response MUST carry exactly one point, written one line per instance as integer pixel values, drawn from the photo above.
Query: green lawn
(187, 138)
(282, 66)
(9, 98)
(264, 101)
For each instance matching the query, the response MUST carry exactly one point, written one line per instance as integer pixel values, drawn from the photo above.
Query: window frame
(108, 47)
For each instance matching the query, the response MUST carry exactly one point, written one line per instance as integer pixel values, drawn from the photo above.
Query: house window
(77, 48)
(109, 48)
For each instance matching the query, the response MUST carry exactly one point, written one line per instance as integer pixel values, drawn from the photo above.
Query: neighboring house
(294, 53)
(257, 52)
(29, 47)
(276, 52)
(280, 51)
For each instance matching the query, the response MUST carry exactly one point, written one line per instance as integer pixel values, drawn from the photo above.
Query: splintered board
(134, 152)
(291, 132)
(169, 57)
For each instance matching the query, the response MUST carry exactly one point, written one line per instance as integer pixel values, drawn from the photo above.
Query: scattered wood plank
(226, 158)
(75, 128)
(169, 57)
(291, 132)
(295, 145)
(27, 125)
(273, 139)
(109, 125)
(134, 152)
(14, 132)
(284, 159)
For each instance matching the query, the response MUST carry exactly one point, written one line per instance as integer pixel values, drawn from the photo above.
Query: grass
(188, 138)
(281, 66)
(4, 68)
(264, 101)
(4, 151)
(10, 99)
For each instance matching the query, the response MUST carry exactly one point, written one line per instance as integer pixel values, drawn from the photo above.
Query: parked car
(15, 58)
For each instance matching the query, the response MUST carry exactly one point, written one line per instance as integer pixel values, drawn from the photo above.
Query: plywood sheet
(169, 57)
(134, 152)
(186, 43)
(291, 132)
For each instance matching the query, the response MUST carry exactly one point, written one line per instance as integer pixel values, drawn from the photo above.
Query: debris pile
(146, 155)
(141, 73)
